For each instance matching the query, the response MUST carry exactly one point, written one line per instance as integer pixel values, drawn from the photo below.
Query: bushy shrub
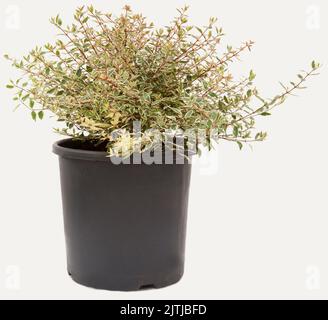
(105, 73)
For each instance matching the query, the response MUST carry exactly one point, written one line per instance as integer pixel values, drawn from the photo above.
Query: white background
(257, 219)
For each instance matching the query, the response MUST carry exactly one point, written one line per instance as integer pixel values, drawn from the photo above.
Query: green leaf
(260, 136)
(74, 28)
(315, 65)
(252, 75)
(33, 115)
(235, 131)
(9, 86)
(147, 96)
(79, 72)
(89, 69)
(58, 20)
(40, 115)
(265, 114)
(51, 90)
(283, 86)
(189, 114)
(214, 115)
(31, 104)
(240, 145)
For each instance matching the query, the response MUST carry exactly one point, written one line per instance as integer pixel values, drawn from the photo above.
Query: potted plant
(137, 103)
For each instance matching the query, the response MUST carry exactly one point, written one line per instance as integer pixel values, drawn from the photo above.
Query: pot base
(126, 284)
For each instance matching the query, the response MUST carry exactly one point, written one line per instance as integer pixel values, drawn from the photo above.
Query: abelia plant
(105, 73)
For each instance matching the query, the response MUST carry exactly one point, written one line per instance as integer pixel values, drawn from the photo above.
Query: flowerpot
(125, 225)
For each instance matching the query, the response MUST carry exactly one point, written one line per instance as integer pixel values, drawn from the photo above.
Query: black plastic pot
(125, 225)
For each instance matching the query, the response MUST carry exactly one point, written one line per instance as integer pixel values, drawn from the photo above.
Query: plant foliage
(104, 73)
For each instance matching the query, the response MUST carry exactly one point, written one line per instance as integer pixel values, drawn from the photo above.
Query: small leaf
(260, 136)
(212, 94)
(240, 145)
(79, 72)
(214, 115)
(265, 114)
(31, 104)
(58, 20)
(51, 90)
(9, 86)
(89, 69)
(147, 96)
(283, 86)
(252, 75)
(235, 131)
(40, 115)
(189, 114)
(33, 115)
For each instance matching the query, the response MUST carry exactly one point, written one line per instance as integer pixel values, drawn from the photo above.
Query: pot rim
(61, 150)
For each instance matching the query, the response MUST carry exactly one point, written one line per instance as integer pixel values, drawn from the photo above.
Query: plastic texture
(125, 225)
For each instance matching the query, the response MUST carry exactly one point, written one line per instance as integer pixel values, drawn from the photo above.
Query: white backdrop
(257, 219)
